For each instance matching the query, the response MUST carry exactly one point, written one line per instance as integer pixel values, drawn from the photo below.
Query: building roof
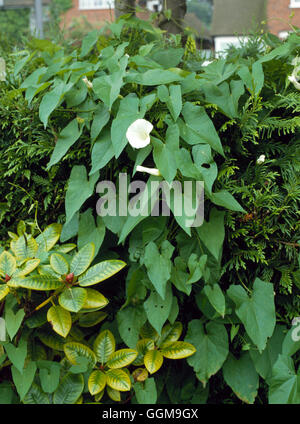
(193, 22)
(17, 4)
(231, 17)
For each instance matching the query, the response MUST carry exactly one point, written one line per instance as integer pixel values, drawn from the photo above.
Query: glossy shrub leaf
(82, 259)
(49, 237)
(39, 282)
(60, 320)
(69, 389)
(96, 382)
(100, 272)
(104, 346)
(257, 312)
(36, 396)
(8, 264)
(27, 267)
(142, 348)
(115, 395)
(211, 348)
(25, 247)
(121, 358)
(178, 350)
(75, 350)
(52, 340)
(153, 360)
(4, 290)
(170, 333)
(118, 380)
(94, 299)
(241, 376)
(73, 299)
(59, 264)
(91, 318)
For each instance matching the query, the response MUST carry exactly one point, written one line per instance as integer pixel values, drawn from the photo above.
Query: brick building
(99, 11)
(234, 19)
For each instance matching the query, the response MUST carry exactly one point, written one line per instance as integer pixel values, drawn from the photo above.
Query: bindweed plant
(135, 104)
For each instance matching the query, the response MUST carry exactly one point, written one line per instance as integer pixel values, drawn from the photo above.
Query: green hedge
(233, 282)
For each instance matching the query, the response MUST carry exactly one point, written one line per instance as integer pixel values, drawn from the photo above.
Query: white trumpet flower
(88, 83)
(138, 133)
(261, 159)
(151, 171)
(293, 79)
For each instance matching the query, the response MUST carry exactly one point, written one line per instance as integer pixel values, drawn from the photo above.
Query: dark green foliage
(234, 281)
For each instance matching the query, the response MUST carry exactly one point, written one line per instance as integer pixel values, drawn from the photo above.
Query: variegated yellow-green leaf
(73, 298)
(140, 374)
(96, 382)
(170, 333)
(8, 264)
(47, 270)
(94, 299)
(148, 332)
(4, 290)
(100, 272)
(115, 395)
(178, 350)
(60, 319)
(65, 248)
(27, 268)
(79, 401)
(75, 350)
(118, 380)
(121, 358)
(39, 282)
(142, 347)
(82, 259)
(52, 340)
(49, 237)
(104, 346)
(12, 235)
(25, 247)
(92, 318)
(153, 360)
(99, 396)
(59, 264)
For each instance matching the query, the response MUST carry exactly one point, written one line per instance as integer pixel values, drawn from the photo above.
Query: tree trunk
(124, 6)
(175, 24)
